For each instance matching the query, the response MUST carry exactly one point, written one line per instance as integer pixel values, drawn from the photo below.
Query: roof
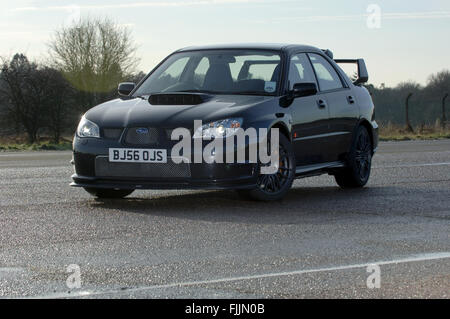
(253, 46)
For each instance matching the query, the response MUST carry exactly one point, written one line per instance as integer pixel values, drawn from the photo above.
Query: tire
(108, 193)
(359, 162)
(271, 187)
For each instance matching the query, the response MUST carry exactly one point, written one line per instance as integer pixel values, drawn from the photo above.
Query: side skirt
(317, 169)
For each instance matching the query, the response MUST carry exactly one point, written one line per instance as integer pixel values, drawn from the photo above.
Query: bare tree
(22, 90)
(56, 102)
(438, 87)
(136, 77)
(94, 55)
(440, 81)
(35, 97)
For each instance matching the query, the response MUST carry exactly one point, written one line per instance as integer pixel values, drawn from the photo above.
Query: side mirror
(125, 88)
(303, 89)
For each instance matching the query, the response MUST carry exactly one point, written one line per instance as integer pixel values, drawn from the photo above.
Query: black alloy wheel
(359, 162)
(275, 186)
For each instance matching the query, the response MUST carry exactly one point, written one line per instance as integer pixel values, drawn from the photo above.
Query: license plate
(138, 155)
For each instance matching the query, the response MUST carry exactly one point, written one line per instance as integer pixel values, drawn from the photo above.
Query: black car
(326, 122)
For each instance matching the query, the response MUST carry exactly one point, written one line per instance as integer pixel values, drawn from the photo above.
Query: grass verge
(19, 143)
(388, 132)
(45, 146)
(391, 132)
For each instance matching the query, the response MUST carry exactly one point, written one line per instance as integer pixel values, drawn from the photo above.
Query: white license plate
(138, 155)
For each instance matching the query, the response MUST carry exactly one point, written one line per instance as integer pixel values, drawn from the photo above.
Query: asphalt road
(317, 242)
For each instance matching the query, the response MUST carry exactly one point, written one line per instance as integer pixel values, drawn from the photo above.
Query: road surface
(316, 243)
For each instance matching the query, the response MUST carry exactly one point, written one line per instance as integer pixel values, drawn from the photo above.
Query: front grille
(142, 136)
(112, 133)
(169, 134)
(104, 168)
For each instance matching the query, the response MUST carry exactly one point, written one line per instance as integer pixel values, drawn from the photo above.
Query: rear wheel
(275, 186)
(359, 162)
(108, 193)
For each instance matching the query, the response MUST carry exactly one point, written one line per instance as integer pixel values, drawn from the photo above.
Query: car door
(309, 115)
(342, 107)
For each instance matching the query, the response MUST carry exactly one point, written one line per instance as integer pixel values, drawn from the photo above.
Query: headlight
(87, 128)
(219, 129)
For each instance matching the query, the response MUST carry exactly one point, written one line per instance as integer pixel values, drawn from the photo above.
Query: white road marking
(414, 165)
(413, 258)
(11, 269)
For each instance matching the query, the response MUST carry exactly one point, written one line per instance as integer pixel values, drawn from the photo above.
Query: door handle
(322, 104)
(351, 100)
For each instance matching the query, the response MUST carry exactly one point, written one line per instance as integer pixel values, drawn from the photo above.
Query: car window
(300, 70)
(254, 72)
(326, 74)
(200, 72)
(261, 71)
(171, 75)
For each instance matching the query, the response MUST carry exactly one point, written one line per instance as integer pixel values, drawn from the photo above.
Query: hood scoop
(178, 98)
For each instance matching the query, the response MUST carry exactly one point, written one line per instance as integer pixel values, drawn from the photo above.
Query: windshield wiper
(198, 91)
(252, 93)
(230, 93)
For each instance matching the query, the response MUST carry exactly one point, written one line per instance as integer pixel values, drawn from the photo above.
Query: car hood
(139, 112)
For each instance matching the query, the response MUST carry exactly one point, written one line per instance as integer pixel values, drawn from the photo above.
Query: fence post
(408, 124)
(444, 119)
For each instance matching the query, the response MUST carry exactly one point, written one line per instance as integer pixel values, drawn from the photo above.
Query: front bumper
(375, 136)
(93, 169)
(94, 182)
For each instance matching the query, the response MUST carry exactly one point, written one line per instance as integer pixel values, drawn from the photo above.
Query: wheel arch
(368, 126)
(283, 129)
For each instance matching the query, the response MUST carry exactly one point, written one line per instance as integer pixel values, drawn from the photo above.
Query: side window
(326, 74)
(300, 70)
(200, 72)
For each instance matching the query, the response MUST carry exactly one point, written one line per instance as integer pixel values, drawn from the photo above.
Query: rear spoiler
(363, 75)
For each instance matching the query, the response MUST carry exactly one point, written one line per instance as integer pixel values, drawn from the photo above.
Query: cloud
(143, 5)
(357, 17)
(417, 15)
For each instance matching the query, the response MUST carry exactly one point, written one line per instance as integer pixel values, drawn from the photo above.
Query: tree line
(88, 59)
(411, 104)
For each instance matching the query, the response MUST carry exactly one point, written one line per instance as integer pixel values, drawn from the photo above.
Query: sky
(400, 40)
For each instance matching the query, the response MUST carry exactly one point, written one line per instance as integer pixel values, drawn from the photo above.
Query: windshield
(216, 72)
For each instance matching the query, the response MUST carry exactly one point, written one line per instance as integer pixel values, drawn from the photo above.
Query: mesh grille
(104, 168)
(169, 134)
(142, 136)
(112, 133)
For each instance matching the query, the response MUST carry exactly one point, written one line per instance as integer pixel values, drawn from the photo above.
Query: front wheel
(275, 186)
(359, 162)
(108, 193)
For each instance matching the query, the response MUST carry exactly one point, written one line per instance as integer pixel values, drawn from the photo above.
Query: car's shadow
(228, 206)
